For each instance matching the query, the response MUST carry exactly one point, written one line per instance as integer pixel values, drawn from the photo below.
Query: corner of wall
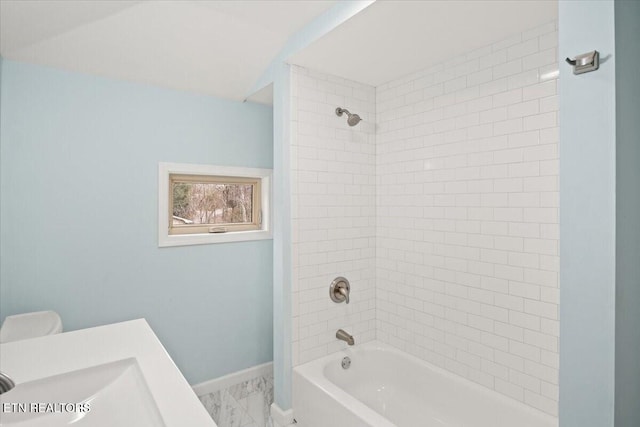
(587, 217)
(627, 58)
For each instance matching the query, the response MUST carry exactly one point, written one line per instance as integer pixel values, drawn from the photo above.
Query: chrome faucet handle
(345, 293)
(339, 290)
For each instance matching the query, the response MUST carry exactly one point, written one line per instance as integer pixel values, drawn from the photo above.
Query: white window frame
(167, 240)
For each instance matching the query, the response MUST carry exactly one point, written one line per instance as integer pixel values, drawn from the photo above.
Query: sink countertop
(42, 357)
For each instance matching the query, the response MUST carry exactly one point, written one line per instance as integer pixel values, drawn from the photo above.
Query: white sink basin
(121, 370)
(115, 394)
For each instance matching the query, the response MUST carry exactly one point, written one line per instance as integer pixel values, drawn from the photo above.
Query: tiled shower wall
(333, 211)
(467, 216)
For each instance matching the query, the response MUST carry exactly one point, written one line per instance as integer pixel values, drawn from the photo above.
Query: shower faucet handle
(343, 291)
(339, 290)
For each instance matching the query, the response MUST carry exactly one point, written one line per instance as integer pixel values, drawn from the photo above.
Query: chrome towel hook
(586, 62)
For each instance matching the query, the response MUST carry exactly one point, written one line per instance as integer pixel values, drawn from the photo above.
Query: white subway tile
(547, 326)
(523, 109)
(494, 341)
(549, 40)
(493, 115)
(507, 156)
(493, 87)
(458, 188)
(536, 60)
(522, 49)
(549, 103)
(540, 121)
(526, 351)
(508, 214)
(541, 152)
(551, 263)
(542, 403)
(546, 372)
(549, 27)
(541, 340)
(508, 272)
(507, 69)
(528, 382)
(510, 389)
(541, 215)
(524, 169)
(550, 135)
(480, 104)
(518, 259)
(510, 97)
(505, 43)
(523, 139)
(508, 360)
(541, 277)
(523, 79)
(467, 94)
(508, 126)
(525, 320)
(509, 331)
(499, 56)
(455, 84)
(540, 90)
(479, 77)
(509, 244)
(550, 391)
(541, 309)
(495, 369)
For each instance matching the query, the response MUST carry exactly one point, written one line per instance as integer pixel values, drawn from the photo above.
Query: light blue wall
(282, 241)
(587, 217)
(627, 402)
(79, 161)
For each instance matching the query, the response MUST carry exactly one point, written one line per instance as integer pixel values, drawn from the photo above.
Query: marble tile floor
(246, 404)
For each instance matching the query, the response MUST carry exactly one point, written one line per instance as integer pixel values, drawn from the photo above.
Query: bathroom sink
(109, 395)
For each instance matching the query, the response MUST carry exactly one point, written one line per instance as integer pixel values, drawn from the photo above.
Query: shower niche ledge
(117, 374)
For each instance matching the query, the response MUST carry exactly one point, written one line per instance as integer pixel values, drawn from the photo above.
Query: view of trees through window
(212, 203)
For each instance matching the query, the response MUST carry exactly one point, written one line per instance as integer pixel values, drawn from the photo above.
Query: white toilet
(30, 325)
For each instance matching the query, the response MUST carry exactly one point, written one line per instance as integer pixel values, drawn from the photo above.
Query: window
(212, 204)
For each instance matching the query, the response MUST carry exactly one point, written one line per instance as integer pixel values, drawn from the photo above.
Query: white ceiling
(215, 47)
(390, 39)
(221, 48)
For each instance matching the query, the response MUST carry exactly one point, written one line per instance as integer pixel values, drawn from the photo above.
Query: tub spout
(344, 336)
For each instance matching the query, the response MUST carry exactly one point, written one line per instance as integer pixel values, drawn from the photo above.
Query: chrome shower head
(352, 119)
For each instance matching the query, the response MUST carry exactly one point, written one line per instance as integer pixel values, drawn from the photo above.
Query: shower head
(352, 119)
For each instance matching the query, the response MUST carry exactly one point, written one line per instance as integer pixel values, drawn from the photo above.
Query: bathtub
(385, 387)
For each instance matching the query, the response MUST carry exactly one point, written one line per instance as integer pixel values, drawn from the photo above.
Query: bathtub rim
(313, 372)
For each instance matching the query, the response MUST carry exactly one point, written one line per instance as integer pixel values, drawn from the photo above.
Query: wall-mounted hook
(586, 62)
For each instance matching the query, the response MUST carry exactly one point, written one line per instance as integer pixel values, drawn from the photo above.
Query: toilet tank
(30, 325)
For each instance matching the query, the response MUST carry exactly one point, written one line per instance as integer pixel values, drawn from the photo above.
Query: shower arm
(339, 112)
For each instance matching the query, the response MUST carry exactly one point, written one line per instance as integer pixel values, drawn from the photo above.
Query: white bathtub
(385, 387)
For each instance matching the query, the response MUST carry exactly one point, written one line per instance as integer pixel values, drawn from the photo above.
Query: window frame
(260, 228)
(256, 206)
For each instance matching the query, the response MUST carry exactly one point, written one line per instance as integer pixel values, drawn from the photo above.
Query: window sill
(209, 238)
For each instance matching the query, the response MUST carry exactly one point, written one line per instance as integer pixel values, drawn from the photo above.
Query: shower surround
(333, 218)
(441, 208)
